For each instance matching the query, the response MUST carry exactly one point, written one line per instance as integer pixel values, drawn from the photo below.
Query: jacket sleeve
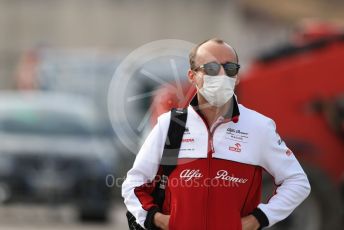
(139, 183)
(292, 184)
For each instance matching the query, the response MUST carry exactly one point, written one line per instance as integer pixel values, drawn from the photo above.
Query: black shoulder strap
(168, 162)
(173, 140)
(171, 150)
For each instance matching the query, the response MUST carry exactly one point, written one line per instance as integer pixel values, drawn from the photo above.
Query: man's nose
(222, 71)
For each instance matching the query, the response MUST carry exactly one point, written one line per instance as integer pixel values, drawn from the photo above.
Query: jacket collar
(231, 115)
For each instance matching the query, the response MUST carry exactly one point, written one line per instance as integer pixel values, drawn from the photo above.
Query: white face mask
(217, 90)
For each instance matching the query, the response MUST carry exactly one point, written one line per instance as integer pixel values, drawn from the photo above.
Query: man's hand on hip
(161, 220)
(249, 223)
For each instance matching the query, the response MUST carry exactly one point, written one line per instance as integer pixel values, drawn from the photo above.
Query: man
(217, 182)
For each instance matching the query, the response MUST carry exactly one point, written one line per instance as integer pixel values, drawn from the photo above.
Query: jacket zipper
(211, 150)
(209, 156)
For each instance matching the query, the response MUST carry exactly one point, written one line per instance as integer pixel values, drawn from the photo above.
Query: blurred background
(60, 154)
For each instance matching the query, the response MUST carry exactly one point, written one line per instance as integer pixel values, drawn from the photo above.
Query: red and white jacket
(218, 178)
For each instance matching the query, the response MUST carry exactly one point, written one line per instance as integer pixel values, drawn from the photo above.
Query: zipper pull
(212, 146)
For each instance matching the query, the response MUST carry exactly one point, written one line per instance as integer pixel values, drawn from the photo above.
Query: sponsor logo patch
(279, 139)
(235, 148)
(189, 174)
(187, 131)
(188, 140)
(289, 152)
(237, 135)
(224, 175)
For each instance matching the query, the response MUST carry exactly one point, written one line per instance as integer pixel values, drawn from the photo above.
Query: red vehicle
(301, 87)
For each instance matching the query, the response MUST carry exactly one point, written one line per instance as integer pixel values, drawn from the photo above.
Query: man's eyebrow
(233, 61)
(207, 61)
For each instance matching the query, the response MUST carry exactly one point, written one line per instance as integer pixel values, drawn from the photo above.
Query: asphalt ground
(36, 217)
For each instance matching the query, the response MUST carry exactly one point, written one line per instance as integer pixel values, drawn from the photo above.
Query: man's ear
(191, 76)
(237, 81)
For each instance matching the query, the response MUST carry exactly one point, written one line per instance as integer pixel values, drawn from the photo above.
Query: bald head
(212, 50)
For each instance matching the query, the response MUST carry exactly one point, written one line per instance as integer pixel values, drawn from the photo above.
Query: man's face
(209, 52)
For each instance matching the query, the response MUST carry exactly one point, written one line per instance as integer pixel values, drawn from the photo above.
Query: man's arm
(138, 186)
(292, 183)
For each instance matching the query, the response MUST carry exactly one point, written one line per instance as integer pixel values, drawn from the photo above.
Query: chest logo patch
(237, 135)
(235, 148)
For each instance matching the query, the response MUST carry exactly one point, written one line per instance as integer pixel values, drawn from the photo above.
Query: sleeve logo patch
(289, 152)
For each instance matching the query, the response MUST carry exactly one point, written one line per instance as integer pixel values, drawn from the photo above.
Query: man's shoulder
(253, 117)
(164, 118)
